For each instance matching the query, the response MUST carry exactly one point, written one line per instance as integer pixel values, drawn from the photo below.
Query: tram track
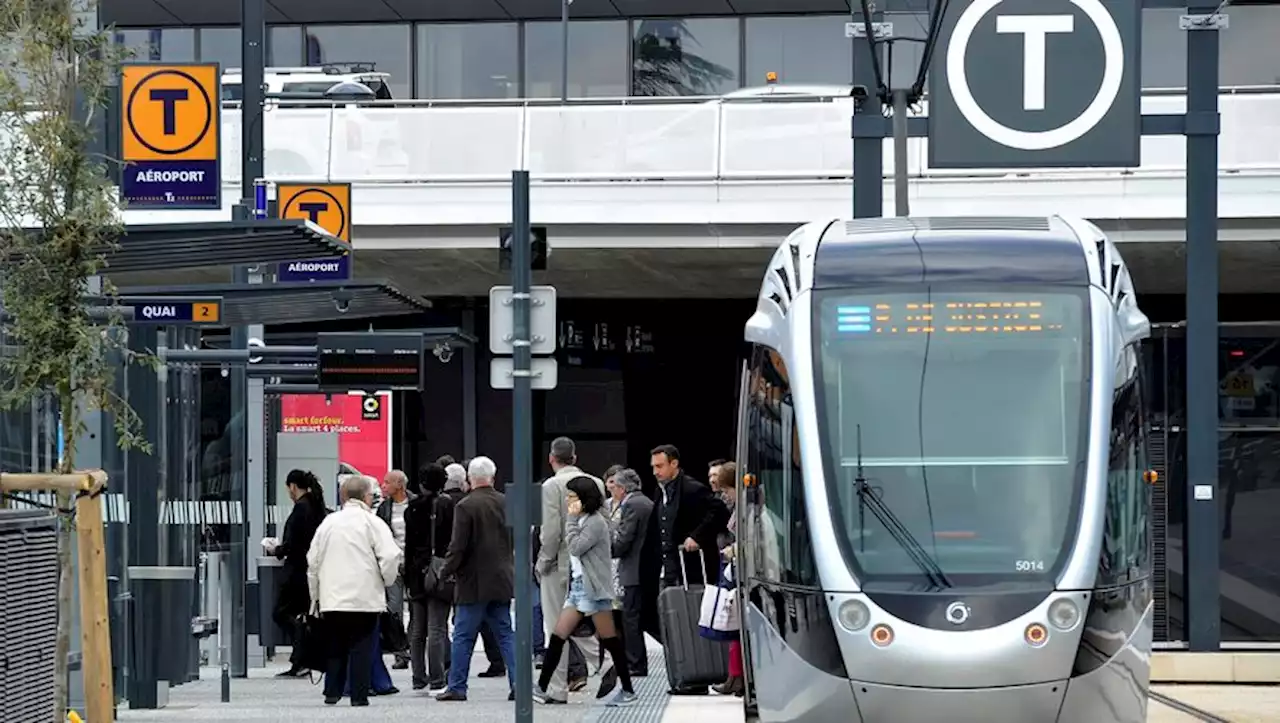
(1198, 713)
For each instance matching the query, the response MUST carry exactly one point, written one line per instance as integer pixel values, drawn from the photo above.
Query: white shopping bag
(718, 619)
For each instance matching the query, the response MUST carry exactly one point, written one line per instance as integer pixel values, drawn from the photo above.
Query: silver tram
(945, 502)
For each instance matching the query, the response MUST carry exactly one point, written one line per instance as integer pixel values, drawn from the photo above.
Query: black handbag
(391, 633)
(310, 645)
(434, 584)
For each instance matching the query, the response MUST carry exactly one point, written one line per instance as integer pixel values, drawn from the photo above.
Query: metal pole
(522, 438)
(564, 50)
(868, 130)
(901, 204)
(1202, 127)
(252, 61)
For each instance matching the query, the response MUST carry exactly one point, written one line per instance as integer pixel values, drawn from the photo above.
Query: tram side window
(773, 456)
(1125, 545)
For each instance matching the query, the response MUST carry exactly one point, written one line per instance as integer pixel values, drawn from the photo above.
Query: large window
(774, 518)
(478, 60)
(386, 46)
(685, 57)
(1248, 55)
(597, 54)
(284, 46)
(954, 429)
(801, 50)
(221, 45)
(173, 45)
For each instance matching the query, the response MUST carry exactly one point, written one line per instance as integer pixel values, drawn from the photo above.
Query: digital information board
(369, 362)
(952, 316)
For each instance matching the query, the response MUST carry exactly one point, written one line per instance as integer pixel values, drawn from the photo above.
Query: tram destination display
(368, 362)
(949, 314)
(901, 368)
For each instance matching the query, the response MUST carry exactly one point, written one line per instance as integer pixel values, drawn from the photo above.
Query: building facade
(657, 362)
(483, 49)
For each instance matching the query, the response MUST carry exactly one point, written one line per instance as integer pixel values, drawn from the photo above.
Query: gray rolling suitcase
(692, 660)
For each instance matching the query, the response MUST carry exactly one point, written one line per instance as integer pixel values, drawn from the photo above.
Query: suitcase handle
(684, 571)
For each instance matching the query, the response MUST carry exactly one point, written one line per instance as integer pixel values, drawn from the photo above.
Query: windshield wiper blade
(893, 525)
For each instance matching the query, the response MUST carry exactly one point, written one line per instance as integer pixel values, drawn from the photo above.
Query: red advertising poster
(363, 425)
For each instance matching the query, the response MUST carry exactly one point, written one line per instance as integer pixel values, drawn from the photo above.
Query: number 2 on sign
(168, 196)
(1029, 565)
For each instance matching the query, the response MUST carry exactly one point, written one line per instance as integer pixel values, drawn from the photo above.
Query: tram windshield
(955, 429)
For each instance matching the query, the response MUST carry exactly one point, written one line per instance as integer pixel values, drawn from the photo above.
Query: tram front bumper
(1038, 703)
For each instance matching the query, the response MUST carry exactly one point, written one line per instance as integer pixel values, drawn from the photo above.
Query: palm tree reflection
(666, 64)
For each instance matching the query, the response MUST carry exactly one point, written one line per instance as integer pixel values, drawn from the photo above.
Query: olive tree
(59, 221)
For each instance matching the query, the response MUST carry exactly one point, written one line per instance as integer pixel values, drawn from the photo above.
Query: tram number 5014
(1029, 565)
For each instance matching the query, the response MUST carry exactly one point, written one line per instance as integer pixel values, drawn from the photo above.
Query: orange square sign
(171, 112)
(327, 205)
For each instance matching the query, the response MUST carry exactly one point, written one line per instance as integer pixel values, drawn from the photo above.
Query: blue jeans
(539, 638)
(467, 620)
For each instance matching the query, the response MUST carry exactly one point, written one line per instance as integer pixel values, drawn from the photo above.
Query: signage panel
(1036, 84)
(542, 320)
(171, 128)
(327, 205)
(364, 441)
(176, 311)
(369, 362)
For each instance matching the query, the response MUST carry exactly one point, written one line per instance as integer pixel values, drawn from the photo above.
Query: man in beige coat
(553, 559)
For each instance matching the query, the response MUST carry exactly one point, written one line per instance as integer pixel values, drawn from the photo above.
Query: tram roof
(872, 252)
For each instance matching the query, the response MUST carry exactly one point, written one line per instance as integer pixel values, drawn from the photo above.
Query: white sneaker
(622, 698)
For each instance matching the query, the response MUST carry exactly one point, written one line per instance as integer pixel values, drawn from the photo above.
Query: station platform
(262, 698)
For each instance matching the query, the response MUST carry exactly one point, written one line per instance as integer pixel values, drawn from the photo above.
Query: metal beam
(231, 356)
(96, 313)
(1203, 530)
(292, 389)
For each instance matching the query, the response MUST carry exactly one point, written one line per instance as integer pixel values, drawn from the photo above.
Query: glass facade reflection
(658, 56)
(472, 60)
(386, 46)
(684, 57)
(809, 50)
(598, 49)
(1248, 477)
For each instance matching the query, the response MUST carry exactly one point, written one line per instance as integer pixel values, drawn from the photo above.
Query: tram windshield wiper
(867, 499)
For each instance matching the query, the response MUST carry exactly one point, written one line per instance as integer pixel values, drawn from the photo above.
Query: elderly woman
(724, 480)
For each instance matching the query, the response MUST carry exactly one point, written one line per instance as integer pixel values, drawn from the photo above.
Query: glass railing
(656, 139)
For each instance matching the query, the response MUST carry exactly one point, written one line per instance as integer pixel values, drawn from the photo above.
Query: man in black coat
(690, 517)
(481, 560)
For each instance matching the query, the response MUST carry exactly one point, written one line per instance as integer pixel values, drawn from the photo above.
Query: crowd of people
(439, 547)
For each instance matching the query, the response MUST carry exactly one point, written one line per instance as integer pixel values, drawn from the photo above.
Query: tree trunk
(66, 577)
(66, 571)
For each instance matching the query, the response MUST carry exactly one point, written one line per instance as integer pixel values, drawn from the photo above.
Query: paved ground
(1236, 703)
(264, 699)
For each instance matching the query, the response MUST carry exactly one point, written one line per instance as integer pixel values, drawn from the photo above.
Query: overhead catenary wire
(930, 44)
(882, 89)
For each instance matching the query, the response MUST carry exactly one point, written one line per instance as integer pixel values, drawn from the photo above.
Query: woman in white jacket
(352, 560)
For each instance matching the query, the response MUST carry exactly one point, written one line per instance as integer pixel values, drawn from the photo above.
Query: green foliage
(59, 216)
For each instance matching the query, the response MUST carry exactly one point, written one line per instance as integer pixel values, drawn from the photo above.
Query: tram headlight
(1064, 614)
(854, 615)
